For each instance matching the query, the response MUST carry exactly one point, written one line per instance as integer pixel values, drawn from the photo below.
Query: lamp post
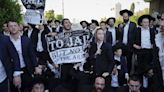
(63, 7)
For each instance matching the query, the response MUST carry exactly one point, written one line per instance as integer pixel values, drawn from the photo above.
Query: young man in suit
(31, 33)
(134, 85)
(144, 42)
(114, 30)
(127, 36)
(9, 62)
(108, 35)
(28, 62)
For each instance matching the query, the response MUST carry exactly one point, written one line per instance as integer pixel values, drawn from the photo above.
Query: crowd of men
(128, 57)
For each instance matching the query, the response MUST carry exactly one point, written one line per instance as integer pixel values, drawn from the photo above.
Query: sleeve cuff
(17, 73)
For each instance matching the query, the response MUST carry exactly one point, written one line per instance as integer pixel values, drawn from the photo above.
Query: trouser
(26, 84)
(43, 57)
(144, 58)
(128, 52)
(4, 86)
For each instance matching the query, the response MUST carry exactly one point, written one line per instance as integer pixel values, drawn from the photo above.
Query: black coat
(103, 62)
(28, 54)
(8, 56)
(131, 34)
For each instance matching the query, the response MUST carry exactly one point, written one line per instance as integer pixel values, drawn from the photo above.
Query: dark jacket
(9, 56)
(28, 54)
(103, 62)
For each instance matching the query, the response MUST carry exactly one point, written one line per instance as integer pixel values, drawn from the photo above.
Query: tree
(50, 15)
(59, 17)
(9, 10)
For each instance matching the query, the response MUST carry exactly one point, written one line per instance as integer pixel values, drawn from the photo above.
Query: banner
(34, 11)
(68, 47)
(32, 17)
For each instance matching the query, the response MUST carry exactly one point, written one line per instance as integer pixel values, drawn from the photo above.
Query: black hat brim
(85, 22)
(143, 17)
(130, 13)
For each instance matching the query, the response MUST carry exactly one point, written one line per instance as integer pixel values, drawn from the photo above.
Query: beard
(99, 90)
(126, 20)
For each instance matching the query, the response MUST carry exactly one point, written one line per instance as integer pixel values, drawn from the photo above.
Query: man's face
(13, 27)
(103, 26)
(93, 26)
(145, 23)
(84, 24)
(99, 84)
(111, 22)
(125, 16)
(162, 27)
(38, 88)
(118, 52)
(134, 86)
(67, 25)
(41, 27)
(100, 35)
(5, 28)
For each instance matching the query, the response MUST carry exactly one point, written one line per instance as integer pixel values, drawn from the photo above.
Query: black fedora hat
(107, 21)
(84, 21)
(143, 17)
(95, 21)
(130, 13)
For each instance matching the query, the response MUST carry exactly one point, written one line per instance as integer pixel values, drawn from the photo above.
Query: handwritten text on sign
(68, 47)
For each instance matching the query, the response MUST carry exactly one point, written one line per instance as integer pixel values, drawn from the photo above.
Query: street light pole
(63, 7)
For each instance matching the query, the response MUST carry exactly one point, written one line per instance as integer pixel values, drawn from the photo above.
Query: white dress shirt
(18, 46)
(114, 81)
(39, 44)
(159, 39)
(30, 32)
(125, 34)
(145, 82)
(50, 28)
(145, 38)
(113, 31)
(3, 74)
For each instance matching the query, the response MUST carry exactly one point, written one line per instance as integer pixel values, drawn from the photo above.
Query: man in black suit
(134, 85)
(8, 58)
(144, 42)
(31, 32)
(108, 35)
(127, 36)
(26, 54)
(114, 30)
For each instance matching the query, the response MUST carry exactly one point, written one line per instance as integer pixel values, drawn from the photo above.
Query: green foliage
(9, 10)
(59, 17)
(50, 15)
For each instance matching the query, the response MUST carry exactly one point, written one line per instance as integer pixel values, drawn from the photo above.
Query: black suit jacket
(33, 36)
(28, 54)
(103, 62)
(131, 34)
(137, 39)
(9, 56)
(109, 37)
(117, 35)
